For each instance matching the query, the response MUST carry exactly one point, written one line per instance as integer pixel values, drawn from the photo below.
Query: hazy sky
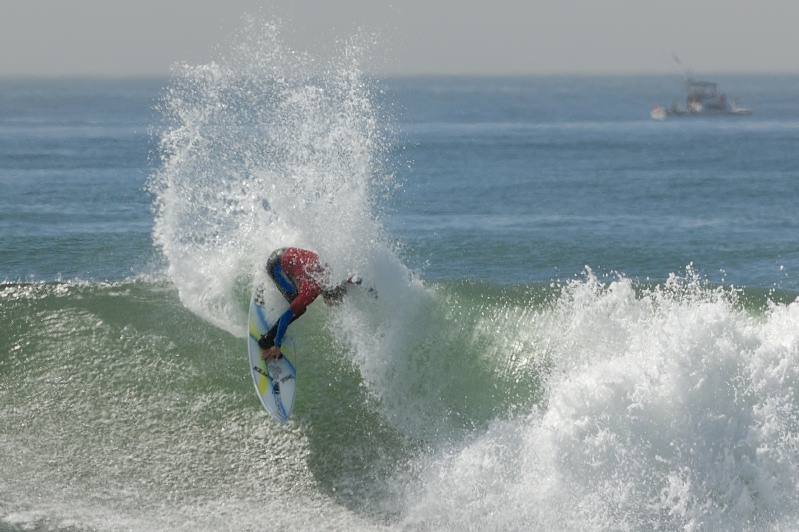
(145, 37)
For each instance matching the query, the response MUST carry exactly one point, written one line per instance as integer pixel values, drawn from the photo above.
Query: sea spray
(265, 148)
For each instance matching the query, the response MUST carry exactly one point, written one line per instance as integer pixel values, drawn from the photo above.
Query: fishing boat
(703, 99)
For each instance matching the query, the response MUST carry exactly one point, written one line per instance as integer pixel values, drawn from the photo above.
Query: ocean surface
(587, 319)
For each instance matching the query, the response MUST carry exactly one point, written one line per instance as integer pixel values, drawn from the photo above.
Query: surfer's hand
(272, 353)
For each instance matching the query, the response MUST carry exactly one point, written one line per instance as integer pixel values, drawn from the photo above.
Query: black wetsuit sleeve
(268, 340)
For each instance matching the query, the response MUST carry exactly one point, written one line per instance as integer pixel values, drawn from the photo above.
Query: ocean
(586, 319)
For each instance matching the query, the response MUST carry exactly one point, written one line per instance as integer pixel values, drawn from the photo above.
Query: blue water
(544, 176)
(588, 319)
(75, 155)
(510, 179)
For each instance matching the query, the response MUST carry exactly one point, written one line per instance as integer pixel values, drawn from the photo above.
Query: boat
(703, 99)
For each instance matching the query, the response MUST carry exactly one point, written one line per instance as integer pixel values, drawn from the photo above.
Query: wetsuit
(297, 274)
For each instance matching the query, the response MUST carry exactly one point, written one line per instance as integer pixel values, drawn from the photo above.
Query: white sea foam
(672, 409)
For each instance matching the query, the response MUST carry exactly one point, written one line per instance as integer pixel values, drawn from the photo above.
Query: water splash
(264, 148)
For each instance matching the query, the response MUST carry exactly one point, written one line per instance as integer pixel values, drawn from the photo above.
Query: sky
(115, 38)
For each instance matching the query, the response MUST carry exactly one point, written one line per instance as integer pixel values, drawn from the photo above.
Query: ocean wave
(595, 404)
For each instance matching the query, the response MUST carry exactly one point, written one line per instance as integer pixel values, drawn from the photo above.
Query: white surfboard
(276, 381)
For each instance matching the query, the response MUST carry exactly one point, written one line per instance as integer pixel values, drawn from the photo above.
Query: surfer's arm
(271, 341)
(282, 325)
(274, 338)
(275, 335)
(296, 309)
(308, 291)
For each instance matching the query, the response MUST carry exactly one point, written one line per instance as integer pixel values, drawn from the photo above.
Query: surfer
(301, 279)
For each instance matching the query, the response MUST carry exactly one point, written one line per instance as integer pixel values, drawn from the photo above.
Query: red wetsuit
(303, 267)
(297, 273)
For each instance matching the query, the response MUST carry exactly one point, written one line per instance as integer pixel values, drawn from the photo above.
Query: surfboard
(275, 382)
